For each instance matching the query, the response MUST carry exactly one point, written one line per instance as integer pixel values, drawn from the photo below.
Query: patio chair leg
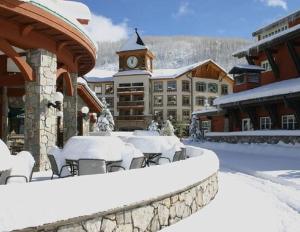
(52, 175)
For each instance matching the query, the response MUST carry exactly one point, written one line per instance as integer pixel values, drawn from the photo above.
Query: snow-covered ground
(259, 190)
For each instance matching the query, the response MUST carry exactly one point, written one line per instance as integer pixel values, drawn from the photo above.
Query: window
(158, 86)
(200, 101)
(212, 88)
(137, 98)
(246, 124)
(200, 86)
(186, 115)
(98, 90)
(240, 80)
(110, 101)
(139, 84)
(266, 65)
(125, 85)
(185, 86)
(185, 100)
(172, 115)
(224, 89)
(171, 86)
(288, 122)
(158, 114)
(206, 126)
(158, 100)
(172, 100)
(124, 98)
(124, 112)
(109, 89)
(211, 101)
(265, 123)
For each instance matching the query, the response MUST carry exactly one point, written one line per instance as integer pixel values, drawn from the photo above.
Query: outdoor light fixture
(24, 98)
(58, 98)
(85, 110)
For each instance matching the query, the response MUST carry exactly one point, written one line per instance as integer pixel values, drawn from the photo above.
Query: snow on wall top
(266, 40)
(257, 133)
(208, 110)
(100, 75)
(277, 88)
(69, 11)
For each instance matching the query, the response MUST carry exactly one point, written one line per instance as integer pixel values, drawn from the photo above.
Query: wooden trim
(25, 69)
(273, 64)
(294, 55)
(67, 80)
(88, 99)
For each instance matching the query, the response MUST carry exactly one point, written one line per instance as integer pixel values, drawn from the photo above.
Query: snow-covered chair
(22, 169)
(179, 155)
(56, 171)
(136, 163)
(91, 166)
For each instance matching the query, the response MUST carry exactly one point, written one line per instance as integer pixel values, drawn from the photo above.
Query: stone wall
(40, 121)
(254, 139)
(147, 216)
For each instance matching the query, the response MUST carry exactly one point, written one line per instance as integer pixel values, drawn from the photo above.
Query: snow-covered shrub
(105, 122)
(195, 131)
(167, 129)
(153, 126)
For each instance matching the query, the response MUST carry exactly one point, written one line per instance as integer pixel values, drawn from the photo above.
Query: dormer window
(266, 66)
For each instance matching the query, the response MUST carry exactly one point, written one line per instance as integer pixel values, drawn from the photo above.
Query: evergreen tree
(105, 122)
(153, 126)
(167, 129)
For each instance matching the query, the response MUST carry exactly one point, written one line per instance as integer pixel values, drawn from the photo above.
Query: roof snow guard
(135, 42)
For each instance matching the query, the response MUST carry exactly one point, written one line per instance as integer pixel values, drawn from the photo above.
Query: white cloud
(184, 9)
(276, 3)
(103, 29)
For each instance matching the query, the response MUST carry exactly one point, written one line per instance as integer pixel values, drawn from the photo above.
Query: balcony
(131, 118)
(246, 81)
(130, 90)
(131, 104)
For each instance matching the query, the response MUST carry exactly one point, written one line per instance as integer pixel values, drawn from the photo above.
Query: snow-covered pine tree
(153, 126)
(167, 129)
(105, 122)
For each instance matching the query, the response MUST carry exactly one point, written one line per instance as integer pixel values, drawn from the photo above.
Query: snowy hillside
(178, 51)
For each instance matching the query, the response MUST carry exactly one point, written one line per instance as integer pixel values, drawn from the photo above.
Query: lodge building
(44, 49)
(266, 92)
(138, 92)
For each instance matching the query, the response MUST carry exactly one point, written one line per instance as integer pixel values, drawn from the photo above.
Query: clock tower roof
(134, 43)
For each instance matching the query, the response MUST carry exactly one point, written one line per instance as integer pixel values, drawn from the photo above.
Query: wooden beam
(12, 80)
(250, 60)
(63, 71)
(26, 29)
(25, 69)
(294, 55)
(273, 64)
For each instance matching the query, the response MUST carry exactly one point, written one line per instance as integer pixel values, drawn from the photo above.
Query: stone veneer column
(70, 111)
(40, 121)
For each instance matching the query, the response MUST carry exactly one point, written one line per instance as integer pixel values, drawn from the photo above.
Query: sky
(116, 19)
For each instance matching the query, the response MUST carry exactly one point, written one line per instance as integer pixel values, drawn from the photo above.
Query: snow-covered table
(166, 145)
(6, 161)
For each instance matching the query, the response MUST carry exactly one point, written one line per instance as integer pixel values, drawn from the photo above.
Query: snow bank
(5, 157)
(145, 133)
(97, 193)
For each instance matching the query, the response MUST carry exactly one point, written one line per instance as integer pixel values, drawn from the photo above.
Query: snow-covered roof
(100, 75)
(291, 17)
(69, 11)
(82, 81)
(266, 41)
(208, 110)
(240, 68)
(133, 43)
(274, 89)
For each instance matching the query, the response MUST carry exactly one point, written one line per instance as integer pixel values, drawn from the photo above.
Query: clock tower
(135, 55)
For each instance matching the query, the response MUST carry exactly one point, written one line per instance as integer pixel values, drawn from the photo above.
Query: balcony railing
(130, 89)
(131, 103)
(131, 118)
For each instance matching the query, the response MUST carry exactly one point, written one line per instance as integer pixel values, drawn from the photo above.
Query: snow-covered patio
(258, 191)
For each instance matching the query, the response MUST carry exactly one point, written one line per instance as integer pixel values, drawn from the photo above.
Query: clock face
(132, 62)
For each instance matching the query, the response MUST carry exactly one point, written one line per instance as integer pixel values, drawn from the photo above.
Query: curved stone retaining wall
(145, 216)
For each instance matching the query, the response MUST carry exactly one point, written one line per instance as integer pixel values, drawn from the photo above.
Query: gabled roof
(135, 42)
